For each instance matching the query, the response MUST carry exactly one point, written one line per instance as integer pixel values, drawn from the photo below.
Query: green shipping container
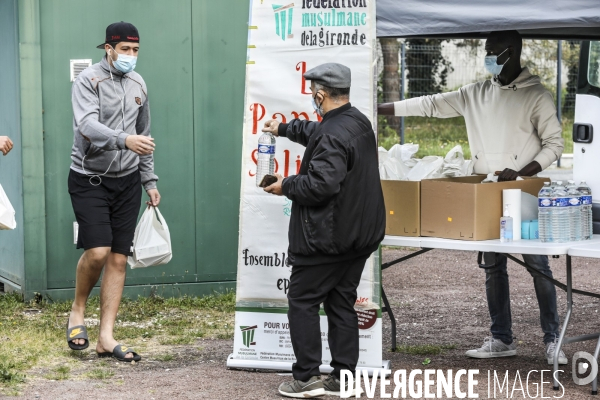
(192, 57)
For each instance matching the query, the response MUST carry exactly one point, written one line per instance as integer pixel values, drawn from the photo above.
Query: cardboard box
(402, 207)
(464, 208)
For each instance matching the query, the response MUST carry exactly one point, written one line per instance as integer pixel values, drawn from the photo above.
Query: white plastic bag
(453, 162)
(7, 212)
(427, 168)
(383, 157)
(391, 166)
(404, 152)
(152, 241)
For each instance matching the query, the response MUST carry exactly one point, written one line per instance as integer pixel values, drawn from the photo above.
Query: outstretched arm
(298, 131)
(443, 105)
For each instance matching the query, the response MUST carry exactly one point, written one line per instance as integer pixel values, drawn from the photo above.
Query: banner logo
(248, 335)
(283, 20)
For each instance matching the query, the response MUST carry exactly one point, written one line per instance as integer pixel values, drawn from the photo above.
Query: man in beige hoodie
(513, 129)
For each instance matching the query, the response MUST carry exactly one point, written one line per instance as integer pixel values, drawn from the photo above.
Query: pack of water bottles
(565, 212)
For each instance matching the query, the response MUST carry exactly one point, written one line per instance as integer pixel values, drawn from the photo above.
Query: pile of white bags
(7, 212)
(399, 164)
(152, 241)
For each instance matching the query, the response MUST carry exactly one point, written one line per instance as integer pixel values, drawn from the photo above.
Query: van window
(594, 64)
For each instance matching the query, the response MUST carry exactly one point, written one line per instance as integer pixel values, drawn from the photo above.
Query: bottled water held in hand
(545, 213)
(574, 211)
(585, 193)
(266, 157)
(561, 222)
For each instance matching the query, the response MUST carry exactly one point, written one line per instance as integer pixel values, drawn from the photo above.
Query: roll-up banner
(285, 40)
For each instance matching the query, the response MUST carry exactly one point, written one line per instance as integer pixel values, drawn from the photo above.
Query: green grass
(100, 373)
(33, 334)
(9, 374)
(59, 374)
(567, 124)
(164, 357)
(436, 136)
(425, 349)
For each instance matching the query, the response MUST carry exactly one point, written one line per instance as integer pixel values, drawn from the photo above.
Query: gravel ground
(438, 299)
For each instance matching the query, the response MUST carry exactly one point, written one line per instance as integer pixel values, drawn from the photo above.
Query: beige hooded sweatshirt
(507, 126)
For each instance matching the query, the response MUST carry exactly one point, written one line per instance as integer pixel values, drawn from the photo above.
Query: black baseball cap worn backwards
(120, 32)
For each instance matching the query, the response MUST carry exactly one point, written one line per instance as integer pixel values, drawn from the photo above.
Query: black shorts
(107, 214)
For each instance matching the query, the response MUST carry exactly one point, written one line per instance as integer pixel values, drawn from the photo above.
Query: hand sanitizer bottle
(506, 226)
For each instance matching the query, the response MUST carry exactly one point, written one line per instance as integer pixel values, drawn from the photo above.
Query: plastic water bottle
(545, 213)
(266, 157)
(574, 211)
(561, 227)
(506, 226)
(587, 229)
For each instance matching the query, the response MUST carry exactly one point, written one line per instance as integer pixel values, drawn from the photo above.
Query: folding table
(587, 250)
(578, 249)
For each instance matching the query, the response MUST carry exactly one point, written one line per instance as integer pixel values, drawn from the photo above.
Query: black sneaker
(332, 386)
(302, 390)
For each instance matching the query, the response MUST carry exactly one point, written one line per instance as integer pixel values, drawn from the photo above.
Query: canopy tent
(536, 19)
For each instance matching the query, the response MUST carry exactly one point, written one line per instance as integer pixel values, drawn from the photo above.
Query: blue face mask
(125, 63)
(317, 108)
(491, 64)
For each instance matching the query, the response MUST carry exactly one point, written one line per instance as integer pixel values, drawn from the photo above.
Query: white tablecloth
(588, 248)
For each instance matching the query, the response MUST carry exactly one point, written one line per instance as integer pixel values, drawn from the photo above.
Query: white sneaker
(550, 349)
(493, 348)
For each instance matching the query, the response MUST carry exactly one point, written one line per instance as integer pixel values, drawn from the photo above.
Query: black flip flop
(77, 332)
(119, 353)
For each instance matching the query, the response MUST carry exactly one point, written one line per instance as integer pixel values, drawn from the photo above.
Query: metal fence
(416, 67)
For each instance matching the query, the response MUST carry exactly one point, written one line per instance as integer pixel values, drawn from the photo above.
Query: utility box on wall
(196, 103)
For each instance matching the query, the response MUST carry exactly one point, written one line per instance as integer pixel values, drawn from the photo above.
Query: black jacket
(338, 211)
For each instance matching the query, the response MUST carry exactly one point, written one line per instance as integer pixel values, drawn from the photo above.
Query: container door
(70, 30)
(586, 129)
(11, 242)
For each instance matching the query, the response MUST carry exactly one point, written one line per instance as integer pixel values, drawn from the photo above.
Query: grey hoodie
(100, 129)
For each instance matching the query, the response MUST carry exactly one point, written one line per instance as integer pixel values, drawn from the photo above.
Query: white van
(586, 150)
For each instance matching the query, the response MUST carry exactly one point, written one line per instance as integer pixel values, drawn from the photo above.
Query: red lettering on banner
(255, 159)
(255, 118)
(283, 119)
(298, 165)
(301, 114)
(301, 66)
(286, 168)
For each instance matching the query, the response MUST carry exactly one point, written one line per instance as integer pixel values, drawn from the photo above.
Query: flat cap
(330, 74)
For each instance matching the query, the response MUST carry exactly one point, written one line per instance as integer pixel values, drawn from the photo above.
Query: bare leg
(110, 298)
(89, 268)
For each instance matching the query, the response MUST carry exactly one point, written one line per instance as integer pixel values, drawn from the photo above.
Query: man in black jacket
(337, 222)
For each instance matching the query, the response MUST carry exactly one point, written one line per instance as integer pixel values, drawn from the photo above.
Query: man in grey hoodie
(112, 157)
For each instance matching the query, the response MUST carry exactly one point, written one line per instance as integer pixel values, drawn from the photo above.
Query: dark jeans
(498, 297)
(334, 285)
